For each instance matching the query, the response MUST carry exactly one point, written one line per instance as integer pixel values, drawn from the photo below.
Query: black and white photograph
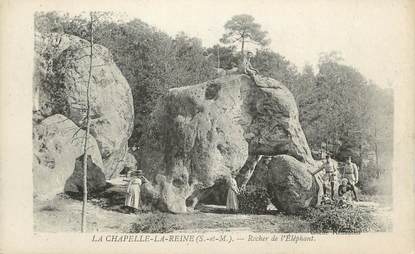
(194, 121)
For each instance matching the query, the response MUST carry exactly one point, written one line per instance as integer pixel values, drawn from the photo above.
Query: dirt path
(382, 212)
(64, 215)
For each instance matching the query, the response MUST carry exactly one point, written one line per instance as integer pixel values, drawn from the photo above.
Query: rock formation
(290, 185)
(60, 81)
(95, 178)
(197, 137)
(200, 134)
(57, 144)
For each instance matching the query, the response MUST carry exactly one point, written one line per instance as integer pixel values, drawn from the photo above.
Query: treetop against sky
(365, 32)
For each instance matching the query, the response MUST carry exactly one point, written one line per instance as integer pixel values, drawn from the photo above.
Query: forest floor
(63, 214)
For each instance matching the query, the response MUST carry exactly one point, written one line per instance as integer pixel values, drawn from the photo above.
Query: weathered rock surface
(95, 177)
(60, 81)
(129, 161)
(57, 143)
(149, 195)
(201, 134)
(290, 185)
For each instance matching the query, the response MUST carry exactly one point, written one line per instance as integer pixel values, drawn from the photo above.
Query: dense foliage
(242, 29)
(155, 223)
(341, 112)
(253, 200)
(228, 57)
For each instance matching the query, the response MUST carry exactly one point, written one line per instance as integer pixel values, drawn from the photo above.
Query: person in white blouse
(132, 199)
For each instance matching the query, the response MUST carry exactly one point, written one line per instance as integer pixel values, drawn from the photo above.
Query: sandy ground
(63, 214)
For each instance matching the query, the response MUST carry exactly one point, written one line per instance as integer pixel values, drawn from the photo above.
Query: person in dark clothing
(346, 186)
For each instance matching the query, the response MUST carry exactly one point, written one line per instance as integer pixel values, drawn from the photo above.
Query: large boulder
(57, 144)
(61, 75)
(200, 134)
(290, 184)
(95, 178)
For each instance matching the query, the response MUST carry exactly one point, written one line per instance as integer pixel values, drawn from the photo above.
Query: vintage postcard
(207, 126)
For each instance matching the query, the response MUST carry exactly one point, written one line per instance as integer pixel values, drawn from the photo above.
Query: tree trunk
(376, 152)
(88, 111)
(327, 146)
(242, 48)
(218, 60)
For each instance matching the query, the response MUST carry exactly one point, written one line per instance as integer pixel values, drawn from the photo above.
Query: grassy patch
(332, 219)
(156, 223)
(199, 221)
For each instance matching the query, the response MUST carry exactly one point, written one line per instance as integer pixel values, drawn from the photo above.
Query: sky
(371, 35)
(367, 33)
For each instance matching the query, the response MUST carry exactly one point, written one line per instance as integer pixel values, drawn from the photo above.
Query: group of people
(350, 177)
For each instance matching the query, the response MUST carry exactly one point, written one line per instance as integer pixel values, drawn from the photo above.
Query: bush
(332, 219)
(156, 223)
(254, 200)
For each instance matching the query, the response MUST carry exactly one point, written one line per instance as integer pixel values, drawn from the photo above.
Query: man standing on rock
(330, 175)
(351, 173)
